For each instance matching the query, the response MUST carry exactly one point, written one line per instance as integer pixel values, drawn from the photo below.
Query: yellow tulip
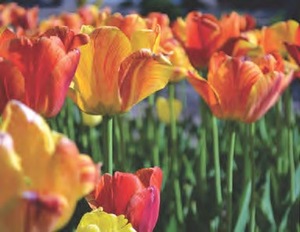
(39, 166)
(112, 77)
(100, 221)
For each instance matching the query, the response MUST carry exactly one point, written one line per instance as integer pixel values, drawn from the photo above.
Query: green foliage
(141, 140)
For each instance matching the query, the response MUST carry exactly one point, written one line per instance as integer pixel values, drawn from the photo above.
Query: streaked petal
(145, 39)
(232, 79)
(206, 91)
(68, 37)
(141, 74)
(96, 78)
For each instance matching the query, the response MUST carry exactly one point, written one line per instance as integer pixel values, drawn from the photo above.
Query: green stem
(292, 166)
(203, 159)
(230, 179)
(174, 154)
(290, 124)
(151, 131)
(252, 161)
(217, 161)
(108, 142)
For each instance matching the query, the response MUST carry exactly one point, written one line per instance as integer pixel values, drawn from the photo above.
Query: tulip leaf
(244, 212)
(266, 204)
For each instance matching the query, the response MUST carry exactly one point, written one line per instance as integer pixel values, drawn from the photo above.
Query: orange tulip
(128, 24)
(137, 196)
(38, 71)
(240, 89)
(38, 170)
(205, 35)
(274, 36)
(112, 77)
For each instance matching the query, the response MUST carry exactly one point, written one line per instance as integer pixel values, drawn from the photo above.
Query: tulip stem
(174, 154)
(151, 131)
(252, 162)
(230, 179)
(108, 142)
(290, 123)
(217, 161)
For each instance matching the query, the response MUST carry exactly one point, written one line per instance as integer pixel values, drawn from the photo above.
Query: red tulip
(38, 71)
(137, 196)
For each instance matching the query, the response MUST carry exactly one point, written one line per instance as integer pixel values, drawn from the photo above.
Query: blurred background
(265, 12)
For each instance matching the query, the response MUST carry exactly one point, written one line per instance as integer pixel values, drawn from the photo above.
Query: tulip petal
(141, 74)
(96, 80)
(206, 91)
(41, 211)
(150, 176)
(46, 68)
(143, 209)
(102, 196)
(20, 120)
(146, 39)
(100, 221)
(125, 185)
(68, 37)
(12, 184)
(266, 92)
(11, 83)
(232, 79)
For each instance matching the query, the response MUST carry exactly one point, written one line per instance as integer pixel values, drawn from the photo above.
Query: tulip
(112, 77)
(38, 71)
(274, 36)
(39, 169)
(100, 221)
(137, 196)
(164, 110)
(170, 46)
(205, 34)
(240, 89)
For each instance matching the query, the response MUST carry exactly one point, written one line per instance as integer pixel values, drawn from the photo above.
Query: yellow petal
(163, 108)
(142, 74)
(31, 136)
(96, 89)
(146, 39)
(91, 120)
(100, 221)
(12, 184)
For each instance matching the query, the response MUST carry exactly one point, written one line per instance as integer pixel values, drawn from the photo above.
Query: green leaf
(244, 212)
(266, 204)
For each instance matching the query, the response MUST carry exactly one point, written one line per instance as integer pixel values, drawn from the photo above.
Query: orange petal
(68, 37)
(232, 79)
(205, 90)
(141, 74)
